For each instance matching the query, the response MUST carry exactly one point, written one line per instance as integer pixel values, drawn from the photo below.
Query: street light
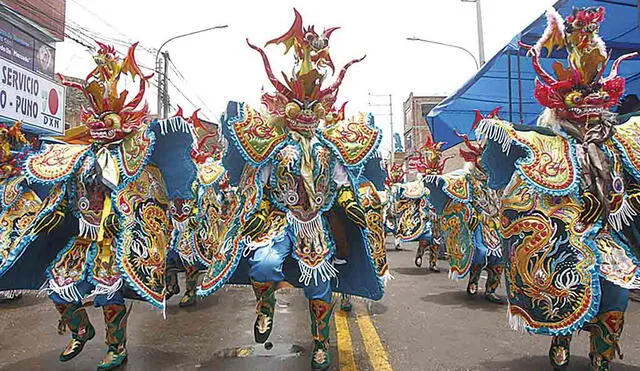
(162, 76)
(480, 33)
(449, 45)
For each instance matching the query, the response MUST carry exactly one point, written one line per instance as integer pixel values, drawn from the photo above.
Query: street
(424, 322)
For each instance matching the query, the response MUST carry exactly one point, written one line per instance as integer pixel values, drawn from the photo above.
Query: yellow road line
(345, 348)
(372, 343)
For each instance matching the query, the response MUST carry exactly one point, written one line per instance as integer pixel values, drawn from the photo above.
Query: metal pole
(160, 86)
(480, 33)
(165, 85)
(391, 125)
(161, 109)
(449, 45)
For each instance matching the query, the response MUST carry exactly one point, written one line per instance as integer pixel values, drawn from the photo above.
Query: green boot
(320, 326)
(474, 277)
(345, 302)
(171, 280)
(605, 330)
(75, 318)
(559, 352)
(191, 281)
(433, 257)
(265, 308)
(494, 273)
(115, 318)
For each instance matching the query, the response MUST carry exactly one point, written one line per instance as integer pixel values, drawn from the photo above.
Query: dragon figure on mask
(468, 212)
(569, 210)
(414, 214)
(103, 214)
(306, 192)
(199, 222)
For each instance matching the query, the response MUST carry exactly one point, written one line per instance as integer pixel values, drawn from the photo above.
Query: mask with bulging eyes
(304, 116)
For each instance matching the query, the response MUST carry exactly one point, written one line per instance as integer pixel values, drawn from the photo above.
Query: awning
(507, 80)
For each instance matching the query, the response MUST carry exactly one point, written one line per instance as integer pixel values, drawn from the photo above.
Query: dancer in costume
(395, 176)
(199, 223)
(19, 203)
(468, 213)
(105, 211)
(415, 217)
(570, 205)
(306, 191)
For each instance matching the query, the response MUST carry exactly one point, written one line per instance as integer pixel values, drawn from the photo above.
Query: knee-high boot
(559, 352)
(320, 326)
(605, 330)
(494, 274)
(433, 257)
(266, 296)
(191, 281)
(115, 319)
(474, 277)
(419, 253)
(74, 317)
(171, 280)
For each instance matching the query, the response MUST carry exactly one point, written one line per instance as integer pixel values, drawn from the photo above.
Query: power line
(204, 105)
(100, 18)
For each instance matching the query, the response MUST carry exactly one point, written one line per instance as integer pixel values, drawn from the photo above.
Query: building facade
(29, 31)
(416, 129)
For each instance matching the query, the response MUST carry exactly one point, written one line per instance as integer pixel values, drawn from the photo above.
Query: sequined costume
(415, 217)
(199, 223)
(569, 215)
(306, 193)
(468, 213)
(105, 209)
(19, 204)
(395, 175)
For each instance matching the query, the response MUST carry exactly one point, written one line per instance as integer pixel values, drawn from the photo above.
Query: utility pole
(480, 32)
(162, 66)
(390, 105)
(163, 88)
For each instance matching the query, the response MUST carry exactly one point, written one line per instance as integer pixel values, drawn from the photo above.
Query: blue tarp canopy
(507, 80)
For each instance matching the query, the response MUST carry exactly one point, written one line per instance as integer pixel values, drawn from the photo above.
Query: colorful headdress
(578, 92)
(473, 152)
(395, 175)
(207, 141)
(11, 141)
(428, 160)
(110, 117)
(301, 101)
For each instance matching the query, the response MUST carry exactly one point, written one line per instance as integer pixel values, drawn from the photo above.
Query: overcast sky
(218, 66)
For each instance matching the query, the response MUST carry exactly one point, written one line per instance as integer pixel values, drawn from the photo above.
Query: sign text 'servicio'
(31, 98)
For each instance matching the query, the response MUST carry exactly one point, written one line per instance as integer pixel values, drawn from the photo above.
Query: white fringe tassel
(307, 229)
(102, 289)
(68, 293)
(88, 230)
(180, 226)
(495, 133)
(497, 252)
(624, 215)
(515, 322)
(454, 276)
(386, 277)
(174, 125)
(326, 270)
(188, 259)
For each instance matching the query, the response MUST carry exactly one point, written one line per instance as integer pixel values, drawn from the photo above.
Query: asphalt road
(424, 322)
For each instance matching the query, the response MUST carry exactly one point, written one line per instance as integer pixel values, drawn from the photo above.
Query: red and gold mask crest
(301, 101)
(110, 117)
(579, 92)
